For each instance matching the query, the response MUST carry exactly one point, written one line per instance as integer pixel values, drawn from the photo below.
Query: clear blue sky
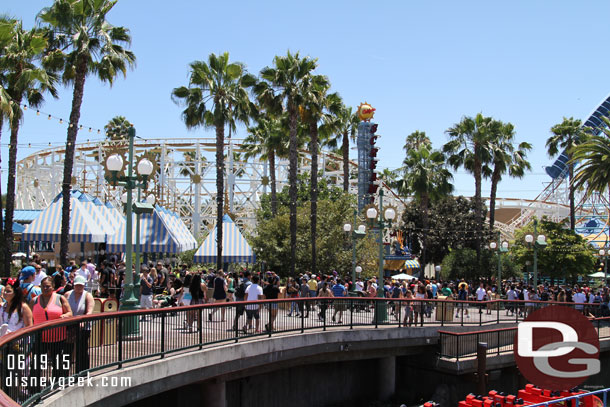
(422, 65)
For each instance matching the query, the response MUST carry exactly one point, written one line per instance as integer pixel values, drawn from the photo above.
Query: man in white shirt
(579, 298)
(254, 292)
(511, 295)
(83, 271)
(359, 285)
(481, 293)
(40, 274)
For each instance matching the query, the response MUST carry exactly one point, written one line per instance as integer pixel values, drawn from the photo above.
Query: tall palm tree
(567, 135)
(25, 80)
(469, 147)
(345, 125)
(415, 140)
(505, 159)
(426, 177)
(269, 141)
(224, 87)
(281, 85)
(7, 27)
(591, 156)
(82, 43)
(314, 109)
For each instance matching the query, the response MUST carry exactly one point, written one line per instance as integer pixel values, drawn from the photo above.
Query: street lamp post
(384, 219)
(114, 164)
(502, 247)
(437, 272)
(356, 234)
(604, 253)
(539, 243)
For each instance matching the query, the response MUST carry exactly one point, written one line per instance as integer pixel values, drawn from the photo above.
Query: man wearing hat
(30, 290)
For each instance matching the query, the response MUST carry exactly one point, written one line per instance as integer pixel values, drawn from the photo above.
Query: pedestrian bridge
(131, 356)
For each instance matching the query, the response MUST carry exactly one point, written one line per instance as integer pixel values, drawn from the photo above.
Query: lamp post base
(130, 325)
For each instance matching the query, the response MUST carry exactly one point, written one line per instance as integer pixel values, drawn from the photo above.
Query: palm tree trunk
(478, 209)
(292, 180)
(273, 186)
(495, 179)
(313, 130)
(426, 223)
(220, 168)
(345, 148)
(10, 193)
(571, 192)
(66, 186)
(1, 222)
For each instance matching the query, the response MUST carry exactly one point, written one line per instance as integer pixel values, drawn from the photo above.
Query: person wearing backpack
(240, 295)
(30, 291)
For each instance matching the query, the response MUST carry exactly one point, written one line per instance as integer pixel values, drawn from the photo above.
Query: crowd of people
(41, 294)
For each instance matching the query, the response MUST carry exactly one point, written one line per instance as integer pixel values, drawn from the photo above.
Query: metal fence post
(163, 335)
(303, 316)
(200, 327)
(351, 315)
(120, 341)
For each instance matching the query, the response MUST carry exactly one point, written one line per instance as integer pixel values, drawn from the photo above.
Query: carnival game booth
(161, 232)
(235, 248)
(89, 226)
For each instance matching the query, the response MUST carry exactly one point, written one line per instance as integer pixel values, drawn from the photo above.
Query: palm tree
(426, 177)
(505, 158)
(416, 140)
(567, 135)
(83, 42)
(593, 171)
(345, 125)
(314, 109)
(116, 128)
(6, 104)
(223, 85)
(469, 147)
(267, 140)
(24, 80)
(282, 85)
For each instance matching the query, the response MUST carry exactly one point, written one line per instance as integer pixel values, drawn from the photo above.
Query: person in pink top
(47, 307)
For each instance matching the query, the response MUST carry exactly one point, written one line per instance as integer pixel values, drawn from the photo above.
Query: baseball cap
(27, 272)
(80, 280)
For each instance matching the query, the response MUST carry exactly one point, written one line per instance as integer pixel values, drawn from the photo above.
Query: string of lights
(94, 130)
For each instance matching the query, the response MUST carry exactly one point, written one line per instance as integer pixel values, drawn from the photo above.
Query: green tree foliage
(566, 253)
(452, 226)
(272, 241)
(116, 128)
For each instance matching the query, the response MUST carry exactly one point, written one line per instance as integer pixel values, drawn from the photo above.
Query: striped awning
(411, 264)
(47, 225)
(98, 212)
(156, 236)
(235, 248)
(178, 228)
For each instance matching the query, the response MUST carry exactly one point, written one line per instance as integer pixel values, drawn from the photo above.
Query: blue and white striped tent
(235, 248)
(98, 212)
(47, 225)
(178, 228)
(114, 216)
(156, 236)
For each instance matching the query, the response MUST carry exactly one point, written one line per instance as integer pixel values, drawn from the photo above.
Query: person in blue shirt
(339, 291)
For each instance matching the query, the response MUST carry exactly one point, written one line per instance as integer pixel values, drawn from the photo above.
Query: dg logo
(556, 348)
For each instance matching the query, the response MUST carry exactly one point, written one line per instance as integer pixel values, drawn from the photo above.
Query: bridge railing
(40, 359)
(456, 345)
